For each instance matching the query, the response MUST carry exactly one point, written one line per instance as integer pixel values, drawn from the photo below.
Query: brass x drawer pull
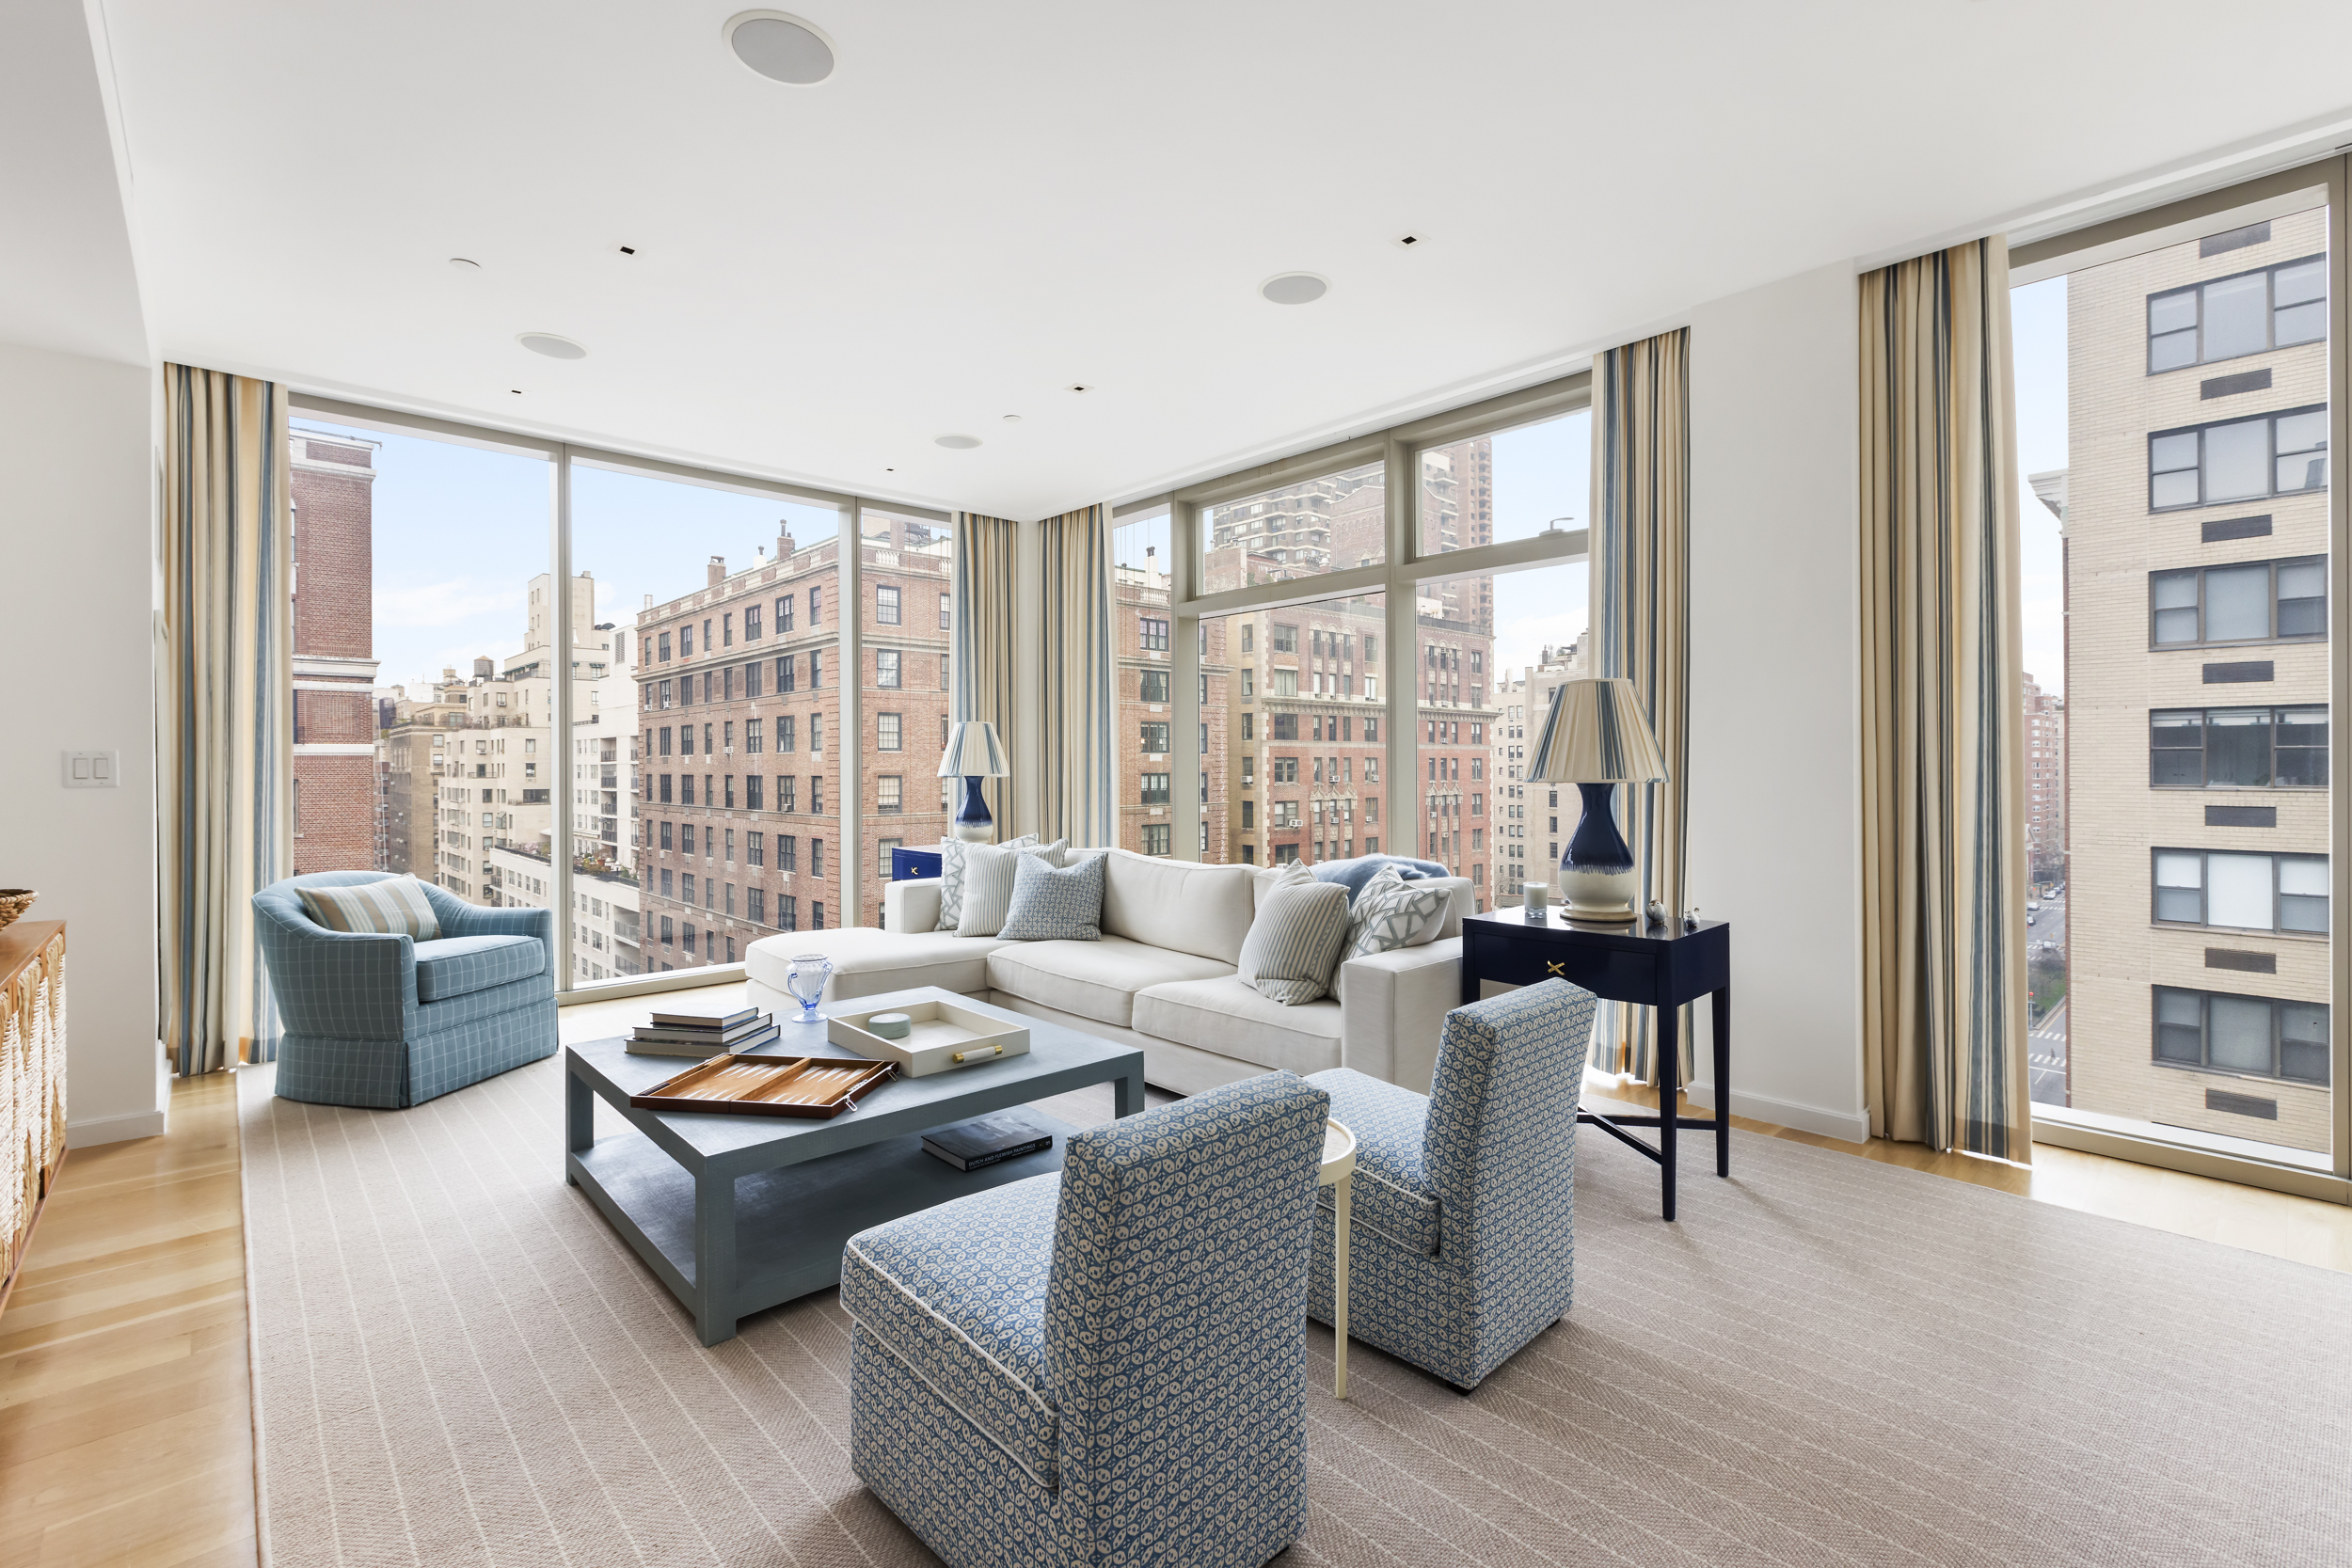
(1555, 969)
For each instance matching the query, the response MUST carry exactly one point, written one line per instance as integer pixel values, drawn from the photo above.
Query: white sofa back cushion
(1180, 905)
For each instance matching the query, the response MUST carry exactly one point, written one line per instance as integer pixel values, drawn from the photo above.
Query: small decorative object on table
(973, 753)
(1657, 911)
(990, 1140)
(1596, 738)
(1538, 895)
(890, 1026)
(1691, 919)
(806, 981)
(703, 1033)
(14, 901)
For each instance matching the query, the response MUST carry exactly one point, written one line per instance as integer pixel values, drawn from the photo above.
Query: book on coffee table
(673, 1039)
(990, 1139)
(706, 1021)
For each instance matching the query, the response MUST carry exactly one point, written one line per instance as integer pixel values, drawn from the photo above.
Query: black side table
(1655, 966)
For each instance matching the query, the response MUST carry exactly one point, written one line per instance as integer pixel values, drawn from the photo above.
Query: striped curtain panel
(983, 641)
(1640, 587)
(1943, 808)
(1080, 794)
(225, 725)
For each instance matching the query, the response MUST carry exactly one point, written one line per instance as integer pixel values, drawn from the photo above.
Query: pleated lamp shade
(1596, 733)
(974, 752)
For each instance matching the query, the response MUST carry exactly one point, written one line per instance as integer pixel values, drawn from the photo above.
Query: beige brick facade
(2117, 538)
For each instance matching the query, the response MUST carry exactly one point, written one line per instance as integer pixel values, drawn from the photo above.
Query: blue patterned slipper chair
(1462, 1234)
(387, 1022)
(1108, 1365)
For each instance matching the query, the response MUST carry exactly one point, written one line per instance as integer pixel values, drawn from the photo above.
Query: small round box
(890, 1026)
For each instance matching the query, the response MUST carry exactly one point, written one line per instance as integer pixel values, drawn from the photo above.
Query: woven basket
(14, 901)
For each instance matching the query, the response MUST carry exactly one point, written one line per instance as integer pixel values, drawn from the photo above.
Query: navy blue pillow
(1353, 874)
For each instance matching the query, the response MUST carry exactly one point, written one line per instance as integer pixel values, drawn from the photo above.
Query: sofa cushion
(1386, 915)
(1392, 1194)
(1054, 905)
(867, 962)
(1092, 979)
(393, 906)
(456, 966)
(1295, 942)
(988, 877)
(958, 1294)
(1230, 1018)
(1179, 905)
(951, 879)
(1355, 875)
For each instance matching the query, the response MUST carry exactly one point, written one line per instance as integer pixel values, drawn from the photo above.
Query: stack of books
(990, 1140)
(703, 1033)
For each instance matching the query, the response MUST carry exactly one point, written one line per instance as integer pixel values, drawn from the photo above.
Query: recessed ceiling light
(957, 443)
(552, 345)
(463, 265)
(1294, 288)
(779, 47)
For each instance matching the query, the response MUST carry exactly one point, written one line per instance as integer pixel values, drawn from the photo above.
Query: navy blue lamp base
(1596, 877)
(972, 823)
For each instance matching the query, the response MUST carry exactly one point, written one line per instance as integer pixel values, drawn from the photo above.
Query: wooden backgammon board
(765, 1087)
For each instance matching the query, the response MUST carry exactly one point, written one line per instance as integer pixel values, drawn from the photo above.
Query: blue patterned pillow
(1051, 905)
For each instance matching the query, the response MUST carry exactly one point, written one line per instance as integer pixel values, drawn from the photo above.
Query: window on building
(2244, 892)
(751, 622)
(2256, 1036)
(755, 852)
(888, 797)
(946, 612)
(1154, 790)
(886, 669)
(1156, 838)
(2246, 312)
(2238, 460)
(885, 607)
(2245, 748)
(1155, 633)
(1154, 742)
(888, 733)
(1153, 685)
(2258, 601)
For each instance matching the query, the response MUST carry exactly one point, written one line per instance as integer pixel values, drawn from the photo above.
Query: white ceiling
(987, 203)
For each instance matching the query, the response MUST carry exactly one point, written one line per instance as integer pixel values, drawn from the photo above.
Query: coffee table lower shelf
(789, 1223)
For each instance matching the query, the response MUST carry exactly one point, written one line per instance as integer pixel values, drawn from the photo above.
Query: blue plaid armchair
(1462, 1235)
(387, 1022)
(1108, 1365)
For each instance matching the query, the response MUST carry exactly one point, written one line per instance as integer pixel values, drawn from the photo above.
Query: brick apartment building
(739, 808)
(2196, 524)
(1532, 827)
(337, 820)
(2045, 784)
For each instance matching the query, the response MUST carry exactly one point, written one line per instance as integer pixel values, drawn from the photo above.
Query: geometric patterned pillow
(1386, 916)
(951, 879)
(1051, 905)
(988, 877)
(395, 905)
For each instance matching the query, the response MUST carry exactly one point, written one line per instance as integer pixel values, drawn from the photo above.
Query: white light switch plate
(93, 769)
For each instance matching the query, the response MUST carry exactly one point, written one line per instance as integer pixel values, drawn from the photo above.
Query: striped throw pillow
(951, 877)
(1295, 942)
(395, 905)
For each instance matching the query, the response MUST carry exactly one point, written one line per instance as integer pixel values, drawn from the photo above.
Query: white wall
(1774, 766)
(77, 464)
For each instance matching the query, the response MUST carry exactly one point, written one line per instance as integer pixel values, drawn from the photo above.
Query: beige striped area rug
(1826, 1361)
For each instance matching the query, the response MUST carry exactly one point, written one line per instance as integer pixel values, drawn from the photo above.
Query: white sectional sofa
(1162, 978)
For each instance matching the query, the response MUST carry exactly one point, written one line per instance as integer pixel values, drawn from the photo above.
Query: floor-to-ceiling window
(2182, 618)
(905, 602)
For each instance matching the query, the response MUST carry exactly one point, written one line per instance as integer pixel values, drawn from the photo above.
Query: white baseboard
(1848, 1126)
(115, 1130)
(91, 1131)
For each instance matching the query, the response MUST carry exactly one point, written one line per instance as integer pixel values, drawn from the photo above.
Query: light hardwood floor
(126, 1431)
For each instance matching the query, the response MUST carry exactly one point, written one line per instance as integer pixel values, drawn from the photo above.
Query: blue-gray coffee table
(737, 1213)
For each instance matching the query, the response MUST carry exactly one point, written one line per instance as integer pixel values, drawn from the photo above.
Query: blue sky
(2038, 331)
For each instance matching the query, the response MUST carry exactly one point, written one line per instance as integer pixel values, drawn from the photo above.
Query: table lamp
(974, 754)
(1595, 737)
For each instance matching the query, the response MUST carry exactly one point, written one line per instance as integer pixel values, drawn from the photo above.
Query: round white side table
(1339, 1173)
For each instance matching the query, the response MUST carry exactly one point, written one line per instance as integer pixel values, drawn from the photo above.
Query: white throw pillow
(1385, 917)
(951, 877)
(1295, 941)
(987, 878)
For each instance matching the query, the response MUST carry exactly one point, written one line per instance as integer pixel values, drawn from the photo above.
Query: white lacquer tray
(946, 1035)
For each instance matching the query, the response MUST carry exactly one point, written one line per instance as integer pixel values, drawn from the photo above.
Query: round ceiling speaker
(781, 48)
(1294, 288)
(957, 443)
(552, 345)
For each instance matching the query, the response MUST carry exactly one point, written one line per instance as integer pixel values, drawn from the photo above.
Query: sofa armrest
(911, 905)
(1392, 1007)
(338, 985)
